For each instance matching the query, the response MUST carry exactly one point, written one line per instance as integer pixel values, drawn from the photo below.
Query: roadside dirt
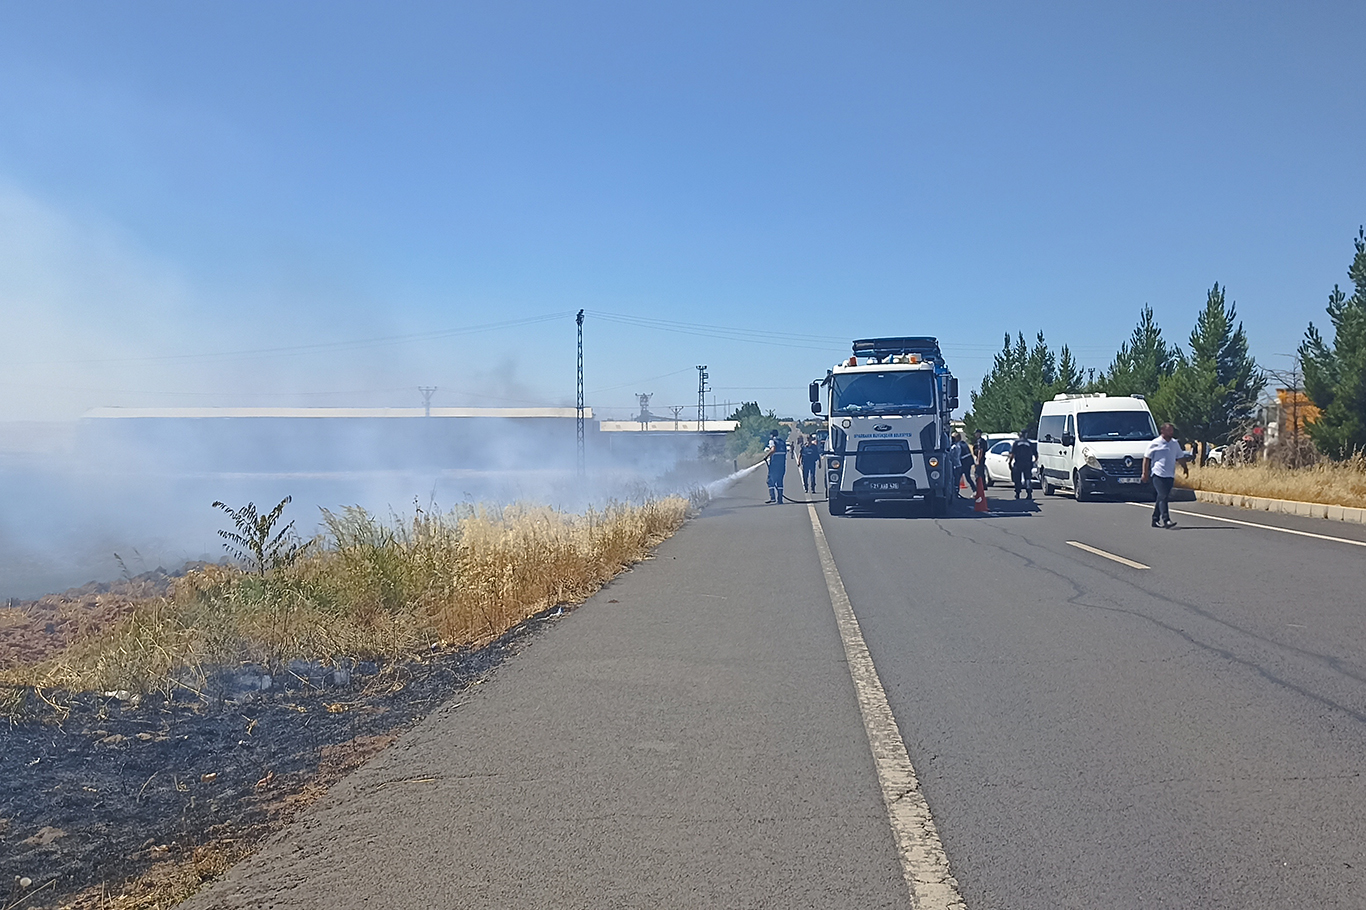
(120, 805)
(33, 630)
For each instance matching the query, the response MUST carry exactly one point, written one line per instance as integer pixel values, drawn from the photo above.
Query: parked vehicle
(1094, 443)
(889, 406)
(998, 461)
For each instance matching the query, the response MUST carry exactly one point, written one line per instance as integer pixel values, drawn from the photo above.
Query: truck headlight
(934, 463)
(834, 464)
(934, 475)
(1091, 460)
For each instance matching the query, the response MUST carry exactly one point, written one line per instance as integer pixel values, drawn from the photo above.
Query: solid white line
(1099, 552)
(1253, 524)
(924, 864)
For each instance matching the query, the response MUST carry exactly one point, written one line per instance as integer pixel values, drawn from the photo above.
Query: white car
(998, 463)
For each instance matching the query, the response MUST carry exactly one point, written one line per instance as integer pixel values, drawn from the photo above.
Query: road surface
(1099, 714)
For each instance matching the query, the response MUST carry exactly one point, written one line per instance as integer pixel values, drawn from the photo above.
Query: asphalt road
(1087, 734)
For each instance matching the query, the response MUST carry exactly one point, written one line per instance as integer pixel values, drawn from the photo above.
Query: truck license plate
(884, 485)
(1128, 479)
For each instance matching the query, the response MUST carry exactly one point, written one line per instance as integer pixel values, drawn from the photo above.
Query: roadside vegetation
(746, 442)
(366, 589)
(1341, 483)
(1211, 389)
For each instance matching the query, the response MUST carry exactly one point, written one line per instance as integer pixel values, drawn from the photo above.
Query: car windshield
(893, 391)
(1098, 426)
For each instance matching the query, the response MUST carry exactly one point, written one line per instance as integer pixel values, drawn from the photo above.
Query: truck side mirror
(815, 392)
(815, 407)
(953, 403)
(953, 389)
(1068, 440)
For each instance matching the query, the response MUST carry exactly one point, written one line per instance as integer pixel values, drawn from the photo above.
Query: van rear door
(1052, 455)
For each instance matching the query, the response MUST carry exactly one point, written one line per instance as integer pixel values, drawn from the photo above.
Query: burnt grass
(95, 795)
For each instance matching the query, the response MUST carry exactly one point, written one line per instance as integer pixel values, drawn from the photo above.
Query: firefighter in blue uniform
(775, 453)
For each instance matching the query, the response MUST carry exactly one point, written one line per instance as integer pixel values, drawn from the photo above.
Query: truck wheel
(837, 504)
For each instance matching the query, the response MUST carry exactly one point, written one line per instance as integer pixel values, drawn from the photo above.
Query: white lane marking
(1253, 524)
(1099, 552)
(924, 864)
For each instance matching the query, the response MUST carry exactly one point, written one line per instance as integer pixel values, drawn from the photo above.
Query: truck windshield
(1098, 426)
(893, 391)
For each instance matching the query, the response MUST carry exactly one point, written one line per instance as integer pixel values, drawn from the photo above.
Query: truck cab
(889, 406)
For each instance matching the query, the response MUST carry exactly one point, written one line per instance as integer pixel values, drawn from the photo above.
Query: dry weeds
(1334, 483)
(369, 589)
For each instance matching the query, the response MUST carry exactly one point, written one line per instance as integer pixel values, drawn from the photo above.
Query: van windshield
(1098, 426)
(890, 392)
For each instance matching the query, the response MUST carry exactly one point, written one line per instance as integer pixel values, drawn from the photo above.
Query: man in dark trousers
(775, 453)
(1159, 463)
(960, 456)
(1022, 465)
(811, 456)
(979, 452)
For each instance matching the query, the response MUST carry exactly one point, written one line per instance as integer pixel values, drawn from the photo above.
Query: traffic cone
(979, 502)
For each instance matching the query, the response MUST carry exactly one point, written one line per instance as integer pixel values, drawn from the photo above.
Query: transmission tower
(578, 420)
(427, 391)
(702, 390)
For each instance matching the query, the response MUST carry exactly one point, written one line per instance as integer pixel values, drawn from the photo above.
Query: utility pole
(427, 391)
(644, 416)
(578, 420)
(677, 409)
(702, 390)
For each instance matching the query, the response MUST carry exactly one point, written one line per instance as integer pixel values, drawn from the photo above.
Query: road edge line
(1253, 524)
(924, 864)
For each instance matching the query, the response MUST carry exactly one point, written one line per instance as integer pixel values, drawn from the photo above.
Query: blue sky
(181, 182)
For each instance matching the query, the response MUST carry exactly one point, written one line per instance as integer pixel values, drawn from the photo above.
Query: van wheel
(1077, 492)
(1048, 488)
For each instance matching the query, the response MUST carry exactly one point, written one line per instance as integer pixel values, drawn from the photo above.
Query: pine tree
(1022, 377)
(1142, 362)
(1212, 393)
(1335, 378)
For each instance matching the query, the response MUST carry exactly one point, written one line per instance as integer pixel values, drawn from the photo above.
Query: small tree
(753, 432)
(256, 543)
(1335, 377)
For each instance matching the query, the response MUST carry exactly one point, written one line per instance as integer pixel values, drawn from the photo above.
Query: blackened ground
(99, 795)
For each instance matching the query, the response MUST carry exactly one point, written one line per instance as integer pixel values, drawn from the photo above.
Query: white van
(1094, 443)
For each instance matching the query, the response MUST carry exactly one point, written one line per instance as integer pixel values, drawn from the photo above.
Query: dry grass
(368, 589)
(1340, 483)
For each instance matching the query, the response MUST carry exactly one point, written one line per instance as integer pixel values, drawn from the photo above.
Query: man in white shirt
(1159, 462)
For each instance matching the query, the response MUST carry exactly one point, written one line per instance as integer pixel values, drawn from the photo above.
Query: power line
(321, 347)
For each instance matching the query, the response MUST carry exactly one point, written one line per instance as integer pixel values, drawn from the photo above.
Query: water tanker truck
(889, 407)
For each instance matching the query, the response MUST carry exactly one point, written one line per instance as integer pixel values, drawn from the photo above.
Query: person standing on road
(960, 457)
(1021, 461)
(979, 453)
(811, 456)
(775, 453)
(1159, 463)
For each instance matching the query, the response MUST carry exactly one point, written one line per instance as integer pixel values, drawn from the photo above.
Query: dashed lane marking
(1253, 524)
(1108, 555)
(924, 864)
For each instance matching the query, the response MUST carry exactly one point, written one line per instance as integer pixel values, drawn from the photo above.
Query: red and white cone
(979, 502)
